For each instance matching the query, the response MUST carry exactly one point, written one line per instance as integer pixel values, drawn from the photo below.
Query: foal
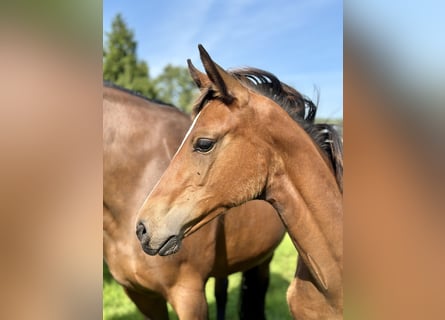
(243, 145)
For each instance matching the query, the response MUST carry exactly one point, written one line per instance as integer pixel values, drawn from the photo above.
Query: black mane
(298, 106)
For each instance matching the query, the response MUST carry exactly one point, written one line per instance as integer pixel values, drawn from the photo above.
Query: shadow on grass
(276, 306)
(136, 315)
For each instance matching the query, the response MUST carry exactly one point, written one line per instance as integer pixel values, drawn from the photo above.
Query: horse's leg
(253, 291)
(189, 301)
(306, 301)
(152, 305)
(221, 285)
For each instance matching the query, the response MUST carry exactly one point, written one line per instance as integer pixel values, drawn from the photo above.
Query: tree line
(122, 67)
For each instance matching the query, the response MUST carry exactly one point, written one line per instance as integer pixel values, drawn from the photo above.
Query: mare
(140, 137)
(249, 141)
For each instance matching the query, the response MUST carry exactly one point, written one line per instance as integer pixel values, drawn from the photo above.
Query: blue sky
(300, 41)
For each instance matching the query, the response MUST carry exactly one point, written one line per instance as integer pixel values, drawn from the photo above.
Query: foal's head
(223, 161)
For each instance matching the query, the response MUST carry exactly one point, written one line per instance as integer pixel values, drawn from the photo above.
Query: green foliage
(120, 63)
(175, 85)
(116, 305)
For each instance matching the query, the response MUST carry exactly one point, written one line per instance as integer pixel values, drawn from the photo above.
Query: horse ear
(201, 79)
(228, 86)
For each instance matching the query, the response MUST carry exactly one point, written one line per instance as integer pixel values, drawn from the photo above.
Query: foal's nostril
(140, 230)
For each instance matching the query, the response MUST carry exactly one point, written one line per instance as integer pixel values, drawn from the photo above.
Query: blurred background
(394, 154)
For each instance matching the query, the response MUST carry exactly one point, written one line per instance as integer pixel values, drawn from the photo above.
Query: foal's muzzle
(171, 245)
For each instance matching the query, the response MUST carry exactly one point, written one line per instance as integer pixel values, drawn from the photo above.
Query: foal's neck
(303, 189)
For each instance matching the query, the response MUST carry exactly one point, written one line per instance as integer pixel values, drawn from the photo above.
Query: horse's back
(122, 110)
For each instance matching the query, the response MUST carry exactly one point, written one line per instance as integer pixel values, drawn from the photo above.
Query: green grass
(117, 306)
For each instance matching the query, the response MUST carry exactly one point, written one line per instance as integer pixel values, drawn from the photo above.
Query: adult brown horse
(243, 145)
(139, 139)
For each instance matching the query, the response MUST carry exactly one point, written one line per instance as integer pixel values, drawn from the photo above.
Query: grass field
(116, 305)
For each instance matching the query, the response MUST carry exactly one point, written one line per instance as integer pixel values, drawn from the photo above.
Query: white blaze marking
(187, 134)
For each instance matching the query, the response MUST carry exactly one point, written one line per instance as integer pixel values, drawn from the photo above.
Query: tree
(122, 67)
(175, 85)
(120, 63)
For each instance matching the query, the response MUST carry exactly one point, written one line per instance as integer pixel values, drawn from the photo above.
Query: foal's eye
(204, 145)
